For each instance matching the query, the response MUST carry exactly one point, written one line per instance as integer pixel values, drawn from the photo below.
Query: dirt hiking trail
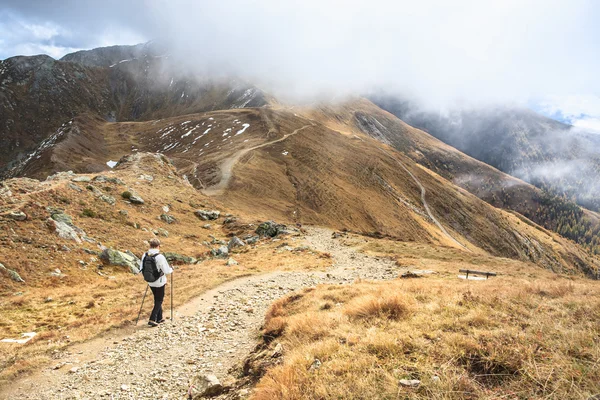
(226, 166)
(209, 335)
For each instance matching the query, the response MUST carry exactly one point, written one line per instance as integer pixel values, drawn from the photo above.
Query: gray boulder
(115, 257)
(169, 219)
(207, 215)
(60, 216)
(135, 199)
(204, 386)
(14, 275)
(176, 258)
(102, 178)
(162, 232)
(108, 199)
(270, 229)
(235, 242)
(82, 179)
(65, 230)
(17, 215)
(221, 252)
(231, 262)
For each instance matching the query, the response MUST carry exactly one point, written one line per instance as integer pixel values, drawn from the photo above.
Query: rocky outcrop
(17, 215)
(62, 225)
(207, 215)
(169, 219)
(176, 258)
(118, 258)
(14, 275)
(204, 386)
(235, 242)
(270, 229)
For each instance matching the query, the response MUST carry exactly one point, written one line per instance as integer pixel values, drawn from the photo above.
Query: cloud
(439, 51)
(581, 111)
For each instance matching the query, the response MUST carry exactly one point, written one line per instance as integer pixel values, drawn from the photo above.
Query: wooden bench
(472, 272)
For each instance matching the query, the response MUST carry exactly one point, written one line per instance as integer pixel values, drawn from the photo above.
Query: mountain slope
(282, 165)
(520, 142)
(486, 182)
(38, 94)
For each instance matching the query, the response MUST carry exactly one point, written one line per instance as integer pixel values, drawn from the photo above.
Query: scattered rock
(75, 188)
(179, 258)
(413, 383)
(165, 209)
(115, 257)
(73, 370)
(82, 179)
(135, 199)
(123, 212)
(148, 178)
(125, 388)
(270, 229)
(102, 178)
(206, 226)
(231, 262)
(235, 242)
(61, 217)
(17, 215)
(229, 220)
(108, 199)
(14, 275)
(162, 232)
(278, 351)
(315, 365)
(252, 239)
(222, 251)
(207, 215)
(48, 300)
(65, 230)
(205, 386)
(169, 219)
(410, 274)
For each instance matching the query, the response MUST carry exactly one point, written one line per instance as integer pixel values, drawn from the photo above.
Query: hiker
(154, 267)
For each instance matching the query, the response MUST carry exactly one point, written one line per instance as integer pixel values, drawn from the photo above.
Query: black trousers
(159, 295)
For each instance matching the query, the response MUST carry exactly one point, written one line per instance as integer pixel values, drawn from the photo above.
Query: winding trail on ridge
(424, 200)
(209, 335)
(227, 165)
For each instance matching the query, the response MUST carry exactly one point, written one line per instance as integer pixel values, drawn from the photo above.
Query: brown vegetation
(507, 337)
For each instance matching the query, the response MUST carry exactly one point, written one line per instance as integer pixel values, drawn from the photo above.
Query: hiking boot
(161, 321)
(152, 323)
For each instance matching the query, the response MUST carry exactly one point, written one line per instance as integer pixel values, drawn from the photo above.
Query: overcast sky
(545, 53)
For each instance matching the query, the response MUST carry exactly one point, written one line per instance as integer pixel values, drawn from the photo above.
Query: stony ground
(157, 363)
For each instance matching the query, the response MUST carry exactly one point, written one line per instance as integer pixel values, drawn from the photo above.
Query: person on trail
(155, 268)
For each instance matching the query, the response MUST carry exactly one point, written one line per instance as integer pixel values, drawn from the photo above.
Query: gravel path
(217, 331)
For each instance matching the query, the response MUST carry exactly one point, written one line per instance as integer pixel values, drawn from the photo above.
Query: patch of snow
(25, 337)
(185, 122)
(111, 163)
(285, 153)
(206, 131)
(245, 126)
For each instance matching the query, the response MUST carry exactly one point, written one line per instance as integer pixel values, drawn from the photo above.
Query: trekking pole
(142, 306)
(172, 284)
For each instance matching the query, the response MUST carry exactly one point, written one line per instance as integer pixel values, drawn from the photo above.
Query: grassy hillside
(69, 294)
(524, 334)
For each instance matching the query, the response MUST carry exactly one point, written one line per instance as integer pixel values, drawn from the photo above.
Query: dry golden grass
(508, 337)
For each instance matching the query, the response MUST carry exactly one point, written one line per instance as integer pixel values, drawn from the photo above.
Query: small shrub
(87, 212)
(371, 307)
(126, 194)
